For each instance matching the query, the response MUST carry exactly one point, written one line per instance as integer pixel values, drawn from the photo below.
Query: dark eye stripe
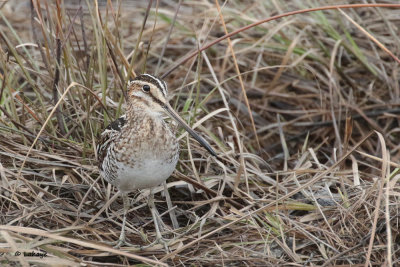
(156, 100)
(160, 84)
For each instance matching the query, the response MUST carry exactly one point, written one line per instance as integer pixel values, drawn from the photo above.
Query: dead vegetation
(307, 133)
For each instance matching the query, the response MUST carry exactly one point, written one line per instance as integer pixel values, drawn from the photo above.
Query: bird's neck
(139, 112)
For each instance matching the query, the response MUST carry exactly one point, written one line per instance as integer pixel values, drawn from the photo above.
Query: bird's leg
(153, 210)
(121, 239)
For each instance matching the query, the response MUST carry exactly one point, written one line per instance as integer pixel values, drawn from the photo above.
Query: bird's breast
(147, 174)
(147, 154)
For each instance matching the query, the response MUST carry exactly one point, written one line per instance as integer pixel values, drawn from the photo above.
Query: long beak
(199, 139)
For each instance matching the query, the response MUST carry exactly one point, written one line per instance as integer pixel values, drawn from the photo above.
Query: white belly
(148, 174)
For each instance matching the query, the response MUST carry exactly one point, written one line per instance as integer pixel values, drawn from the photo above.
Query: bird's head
(148, 91)
(151, 93)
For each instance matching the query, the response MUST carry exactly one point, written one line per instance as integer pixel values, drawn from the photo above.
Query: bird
(139, 150)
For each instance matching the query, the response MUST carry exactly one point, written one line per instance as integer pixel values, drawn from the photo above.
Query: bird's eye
(146, 88)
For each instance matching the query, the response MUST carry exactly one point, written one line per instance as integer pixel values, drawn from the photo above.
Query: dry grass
(303, 112)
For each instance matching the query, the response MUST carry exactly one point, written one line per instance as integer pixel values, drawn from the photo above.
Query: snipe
(138, 150)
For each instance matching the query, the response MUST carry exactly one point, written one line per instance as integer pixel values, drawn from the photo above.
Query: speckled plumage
(138, 150)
